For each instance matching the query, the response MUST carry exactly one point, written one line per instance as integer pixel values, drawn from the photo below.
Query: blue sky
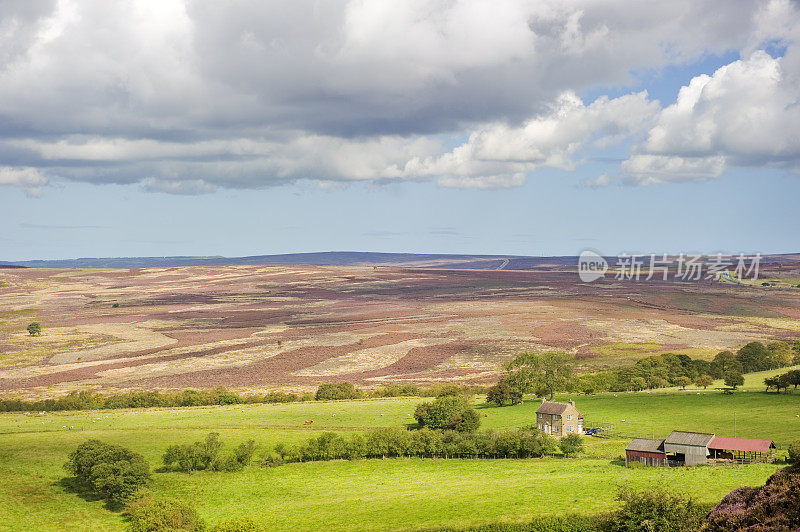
(540, 141)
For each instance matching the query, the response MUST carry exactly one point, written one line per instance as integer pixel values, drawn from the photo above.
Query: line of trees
(784, 381)
(393, 442)
(88, 400)
(547, 373)
(205, 455)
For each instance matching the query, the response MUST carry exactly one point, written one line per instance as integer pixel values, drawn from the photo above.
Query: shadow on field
(74, 486)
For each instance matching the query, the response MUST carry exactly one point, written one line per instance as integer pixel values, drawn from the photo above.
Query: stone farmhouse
(559, 419)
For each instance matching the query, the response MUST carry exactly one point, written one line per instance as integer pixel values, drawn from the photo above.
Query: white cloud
(31, 180)
(660, 169)
(500, 155)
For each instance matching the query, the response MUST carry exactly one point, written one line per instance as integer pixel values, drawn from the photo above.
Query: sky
(162, 128)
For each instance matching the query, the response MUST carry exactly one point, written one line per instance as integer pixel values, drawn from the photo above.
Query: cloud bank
(189, 97)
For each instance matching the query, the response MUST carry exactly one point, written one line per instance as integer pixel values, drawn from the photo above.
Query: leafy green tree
(754, 357)
(448, 412)
(112, 472)
(780, 354)
(734, 378)
(502, 393)
(638, 384)
(723, 361)
(704, 380)
(571, 445)
(683, 382)
(548, 372)
(35, 328)
(148, 514)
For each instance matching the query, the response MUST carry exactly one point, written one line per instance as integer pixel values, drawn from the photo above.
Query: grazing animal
(309, 421)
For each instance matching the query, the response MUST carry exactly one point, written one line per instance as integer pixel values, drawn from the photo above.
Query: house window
(540, 416)
(569, 417)
(569, 429)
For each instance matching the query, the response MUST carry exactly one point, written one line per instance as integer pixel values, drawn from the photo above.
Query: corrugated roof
(700, 439)
(551, 407)
(646, 445)
(741, 444)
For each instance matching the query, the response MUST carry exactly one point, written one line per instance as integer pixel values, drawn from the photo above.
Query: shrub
(448, 412)
(342, 390)
(35, 328)
(237, 525)
(570, 445)
(110, 471)
(653, 510)
(197, 456)
(776, 506)
(147, 514)
(794, 451)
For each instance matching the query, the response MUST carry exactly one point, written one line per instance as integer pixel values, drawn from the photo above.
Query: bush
(452, 412)
(570, 445)
(653, 510)
(110, 471)
(35, 328)
(794, 451)
(147, 514)
(197, 456)
(237, 525)
(342, 390)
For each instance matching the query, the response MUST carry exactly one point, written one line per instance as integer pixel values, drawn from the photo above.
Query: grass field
(375, 494)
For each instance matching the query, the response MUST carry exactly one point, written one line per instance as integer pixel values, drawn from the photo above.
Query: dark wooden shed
(647, 451)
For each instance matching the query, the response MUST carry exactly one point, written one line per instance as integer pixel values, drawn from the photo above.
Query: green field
(376, 494)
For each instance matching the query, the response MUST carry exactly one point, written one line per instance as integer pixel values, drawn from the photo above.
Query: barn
(687, 448)
(647, 451)
(740, 450)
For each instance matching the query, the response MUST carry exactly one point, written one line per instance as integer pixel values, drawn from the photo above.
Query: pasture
(376, 494)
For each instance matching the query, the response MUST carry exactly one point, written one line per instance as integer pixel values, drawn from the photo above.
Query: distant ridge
(328, 258)
(790, 262)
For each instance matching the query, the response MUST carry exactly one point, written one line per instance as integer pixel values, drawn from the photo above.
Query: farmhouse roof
(700, 439)
(646, 445)
(722, 443)
(552, 407)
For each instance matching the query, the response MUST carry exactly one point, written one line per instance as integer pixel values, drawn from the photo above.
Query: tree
(773, 382)
(572, 444)
(704, 380)
(723, 362)
(549, 372)
(780, 354)
(796, 351)
(448, 412)
(638, 384)
(35, 329)
(754, 357)
(734, 378)
(195, 457)
(502, 393)
(112, 472)
(683, 382)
